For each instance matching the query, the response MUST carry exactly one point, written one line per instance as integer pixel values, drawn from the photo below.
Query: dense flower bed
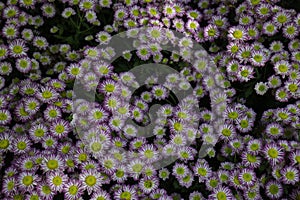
(235, 136)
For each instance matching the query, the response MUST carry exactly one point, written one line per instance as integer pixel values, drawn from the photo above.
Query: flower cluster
(70, 104)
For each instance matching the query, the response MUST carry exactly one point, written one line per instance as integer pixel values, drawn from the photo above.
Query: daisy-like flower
(120, 14)
(178, 24)
(192, 25)
(18, 48)
(148, 153)
(269, 28)
(9, 185)
(282, 114)
(202, 170)
(91, 181)
(247, 177)
(245, 19)
(135, 167)
(52, 113)
(75, 70)
(21, 145)
(97, 115)
(261, 88)
(48, 10)
(290, 175)
(274, 130)
(126, 192)
(274, 189)
(274, 81)
(281, 18)
(237, 33)
(45, 191)
(295, 157)
(254, 146)
(6, 142)
(3, 52)
(251, 160)
(109, 87)
(57, 181)
(290, 31)
(169, 11)
(5, 117)
(5, 68)
(60, 128)
(258, 58)
(40, 42)
(120, 175)
(47, 94)
(52, 163)
(245, 73)
(227, 132)
(244, 53)
(49, 142)
(273, 153)
(163, 174)
(282, 95)
(211, 32)
(101, 194)
(86, 5)
(160, 92)
(68, 12)
(180, 170)
(282, 68)
(10, 31)
(27, 163)
(27, 181)
(148, 185)
(187, 180)
(221, 193)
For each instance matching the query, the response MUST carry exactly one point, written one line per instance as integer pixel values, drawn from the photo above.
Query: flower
(91, 181)
(290, 175)
(261, 88)
(274, 189)
(273, 153)
(148, 185)
(57, 181)
(237, 33)
(125, 192)
(52, 163)
(221, 193)
(27, 181)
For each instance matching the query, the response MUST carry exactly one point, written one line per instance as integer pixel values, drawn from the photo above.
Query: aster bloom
(202, 170)
(247, 177)
(273, 153)
(40, 42)
(211, 32)
(59, 128)
(148, 185)
(126, 192)
(261, 88)
(281, 18)
(269, 28)
(27, 181)
(221, 192)
(47, 94)
(56, 181)
(290, 175)
(5, 117)
(180, 170)
(274, 189)
(237, 33)
(45, 191)
(6, 142)
(18, 48)
(9, 185)
(48, 10)
(21, 145)
(52, 163)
